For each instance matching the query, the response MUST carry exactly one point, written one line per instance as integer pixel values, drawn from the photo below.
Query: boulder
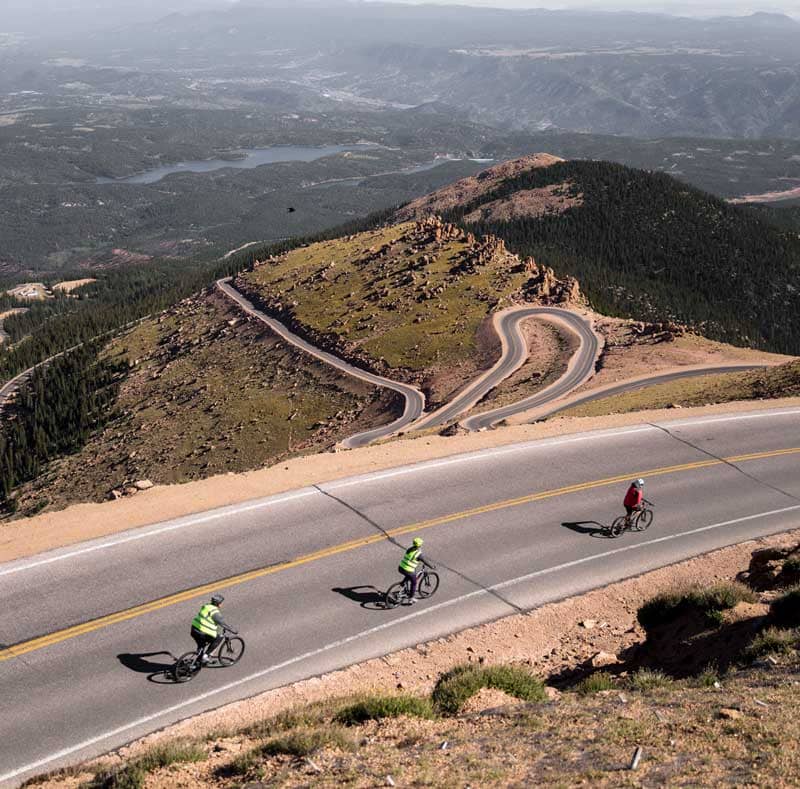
(602, 659)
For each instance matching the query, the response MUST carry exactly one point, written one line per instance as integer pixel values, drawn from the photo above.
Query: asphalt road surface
(510, 528)
(580, 369)
(414, 399)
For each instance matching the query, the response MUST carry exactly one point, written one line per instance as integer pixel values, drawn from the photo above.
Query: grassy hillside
(768, 384)
(207, 392)
(647, 246)
(410, 299)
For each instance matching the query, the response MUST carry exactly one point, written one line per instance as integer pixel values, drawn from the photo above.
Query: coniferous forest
(647, 246)
(55, 412)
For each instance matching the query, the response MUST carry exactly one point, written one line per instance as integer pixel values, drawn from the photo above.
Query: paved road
(642, 383)
(510, 529)
(414, 399)
(581, 366)
(11, 386)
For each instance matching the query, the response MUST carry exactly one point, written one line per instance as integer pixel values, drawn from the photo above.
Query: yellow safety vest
(410, 561)
(204, 621)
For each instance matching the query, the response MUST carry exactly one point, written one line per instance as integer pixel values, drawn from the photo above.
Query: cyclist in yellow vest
(208, 626)
(408, 568)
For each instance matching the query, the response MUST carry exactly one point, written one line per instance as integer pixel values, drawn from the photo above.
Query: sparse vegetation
(178, 418)
(133, 774)
(665, 608)
(647, 679)
(772, 641)
(595, 682)
(458, 685)
(379, 707)
(770, 383)
(408, 299)
(304, 742)
(707, 677)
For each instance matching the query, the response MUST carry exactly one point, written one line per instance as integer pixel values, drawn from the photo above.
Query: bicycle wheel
(230, 651)
(617, 527)
(395, 595)
(428, 585)
(644, 520)
(186, 666)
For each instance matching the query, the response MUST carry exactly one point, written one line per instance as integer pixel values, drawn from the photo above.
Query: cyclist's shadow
(157, 672)
(592, 528)
(368, 597)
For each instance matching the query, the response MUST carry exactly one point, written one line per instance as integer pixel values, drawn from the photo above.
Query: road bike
(639, 520)
(229, 651)
(398, 593)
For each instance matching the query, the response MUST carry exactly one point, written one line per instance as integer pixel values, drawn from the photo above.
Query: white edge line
(183, 523)
(235, 509)
(484, 453)
(656, 541)
(371, 631)
(382, 475)
(711, 419)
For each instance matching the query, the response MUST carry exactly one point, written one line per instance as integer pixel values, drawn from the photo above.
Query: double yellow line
(235, 580)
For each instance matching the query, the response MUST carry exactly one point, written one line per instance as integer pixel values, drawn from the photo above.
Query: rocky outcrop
(528, 204)
(665, 331)
(469, 189)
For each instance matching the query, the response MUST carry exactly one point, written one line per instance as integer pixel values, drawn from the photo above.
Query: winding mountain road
(514, 353)
(581, 365)
(414, 399)
(510, 528)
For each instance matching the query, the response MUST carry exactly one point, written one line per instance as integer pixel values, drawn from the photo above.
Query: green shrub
(645, 679)
(243, 764)
(669, 606)
(133, 774)
(771, 641)
(594, 683)
(786, 609)
(304, 742)
(377, 707)
(792, 565)
(307, 716)
(172, 752)
(708, 677)
(455, 687)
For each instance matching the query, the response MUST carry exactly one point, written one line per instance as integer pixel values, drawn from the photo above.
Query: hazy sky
(687, 7)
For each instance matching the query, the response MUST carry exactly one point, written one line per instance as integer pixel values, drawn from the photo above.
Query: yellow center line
(235, 580)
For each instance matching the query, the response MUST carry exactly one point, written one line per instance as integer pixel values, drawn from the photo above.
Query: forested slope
(647, 246)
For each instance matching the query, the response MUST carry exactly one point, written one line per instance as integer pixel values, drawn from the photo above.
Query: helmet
(639, 483)
(417, 542)
(216, 599)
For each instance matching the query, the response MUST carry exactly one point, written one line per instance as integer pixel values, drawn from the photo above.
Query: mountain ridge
(642, 245)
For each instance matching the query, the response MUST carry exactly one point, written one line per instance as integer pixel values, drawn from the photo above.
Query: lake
(253, 157)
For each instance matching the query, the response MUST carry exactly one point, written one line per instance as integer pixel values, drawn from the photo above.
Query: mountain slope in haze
(632, 74)
(641, 244)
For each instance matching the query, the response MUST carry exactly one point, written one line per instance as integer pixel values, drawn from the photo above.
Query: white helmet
(639, 483)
